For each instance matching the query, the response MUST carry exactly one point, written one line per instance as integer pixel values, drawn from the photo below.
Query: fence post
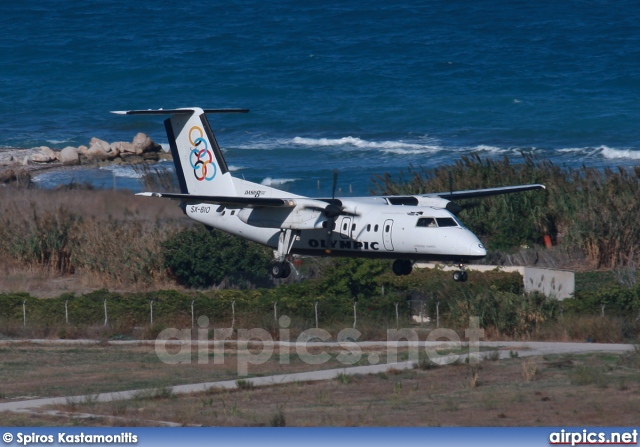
(24, 313)
(397, 317)
(192, 321)
(106, 318)
(316, 309)
(438, 314)
(355, 314)
(151, 310)
(275, 311)
(233, 313)
(66, 311)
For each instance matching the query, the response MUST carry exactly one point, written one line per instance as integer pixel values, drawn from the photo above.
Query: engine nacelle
(439, 202)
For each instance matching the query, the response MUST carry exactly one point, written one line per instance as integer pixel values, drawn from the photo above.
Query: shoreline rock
(17, 164)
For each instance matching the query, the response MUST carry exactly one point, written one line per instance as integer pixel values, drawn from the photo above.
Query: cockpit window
(446, 222)
(426, 222)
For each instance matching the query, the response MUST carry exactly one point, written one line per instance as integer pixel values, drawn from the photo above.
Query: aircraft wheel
(457, 276)
(398, 267)
(464, 276)
(280, 270)
(286, 270)
(407, 267)
(277, 269)
(402, 267)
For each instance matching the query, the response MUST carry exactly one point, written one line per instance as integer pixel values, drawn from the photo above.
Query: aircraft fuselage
(377, 231)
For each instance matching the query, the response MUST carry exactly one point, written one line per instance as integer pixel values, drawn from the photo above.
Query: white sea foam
(609, 153)
(234, 168)
(277, 181)
(492, 149)
(58, 141)
(122, 171)
(359, 143)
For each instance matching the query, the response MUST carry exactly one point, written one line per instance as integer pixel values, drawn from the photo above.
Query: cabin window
(426, 222)
(375, 229)
(446, 222)
(324, 224)
(223, 213)
(344, 226)
(233, 212)
(353, 227)
(387, 228)
(369, 227)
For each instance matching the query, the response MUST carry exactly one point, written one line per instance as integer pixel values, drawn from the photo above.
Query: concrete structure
(559, 284)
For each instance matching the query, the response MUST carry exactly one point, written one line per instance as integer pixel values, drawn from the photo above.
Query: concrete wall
(554, 283)
(559, 284)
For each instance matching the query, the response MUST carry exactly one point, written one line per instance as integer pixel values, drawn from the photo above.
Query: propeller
(332, 211)
(454, 207)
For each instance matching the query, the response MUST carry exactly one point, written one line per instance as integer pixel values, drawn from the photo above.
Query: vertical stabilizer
(200, 166)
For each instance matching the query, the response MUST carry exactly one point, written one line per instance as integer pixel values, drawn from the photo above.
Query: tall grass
(113, 235)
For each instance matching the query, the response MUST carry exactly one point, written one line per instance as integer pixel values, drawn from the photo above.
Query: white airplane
(405, 228)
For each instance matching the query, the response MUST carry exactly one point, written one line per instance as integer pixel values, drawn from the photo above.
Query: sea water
(359, 86)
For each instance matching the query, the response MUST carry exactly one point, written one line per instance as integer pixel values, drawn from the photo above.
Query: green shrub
(199, 258)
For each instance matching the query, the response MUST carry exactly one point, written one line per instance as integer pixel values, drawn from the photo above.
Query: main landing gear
(402, 267)
(460, 275)
(281, 268)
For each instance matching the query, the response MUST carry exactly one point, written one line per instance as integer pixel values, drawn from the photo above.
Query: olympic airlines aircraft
(405, 228)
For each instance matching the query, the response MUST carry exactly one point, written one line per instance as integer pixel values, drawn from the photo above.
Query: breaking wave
(360, 143)
(610, 153)
(277, 181)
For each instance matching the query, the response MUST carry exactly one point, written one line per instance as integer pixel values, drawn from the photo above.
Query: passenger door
(387, 229)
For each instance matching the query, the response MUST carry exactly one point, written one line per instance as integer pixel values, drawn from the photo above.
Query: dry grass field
(586, 389)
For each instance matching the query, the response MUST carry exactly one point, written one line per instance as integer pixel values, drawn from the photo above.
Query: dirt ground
(588, 389)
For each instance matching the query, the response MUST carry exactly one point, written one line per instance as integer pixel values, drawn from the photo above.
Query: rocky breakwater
(16, 165)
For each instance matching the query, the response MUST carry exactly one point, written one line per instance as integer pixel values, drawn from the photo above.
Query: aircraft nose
(477, 249)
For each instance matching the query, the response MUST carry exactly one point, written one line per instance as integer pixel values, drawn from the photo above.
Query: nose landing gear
(460, 275)
(402, 267)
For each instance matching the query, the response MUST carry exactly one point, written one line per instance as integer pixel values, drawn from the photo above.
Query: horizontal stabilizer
(186, 111)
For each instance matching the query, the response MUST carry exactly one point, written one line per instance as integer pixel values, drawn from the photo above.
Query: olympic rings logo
(201, 159)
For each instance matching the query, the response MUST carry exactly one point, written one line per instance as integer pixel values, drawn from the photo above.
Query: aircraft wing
(224, 200)
(472, 193)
